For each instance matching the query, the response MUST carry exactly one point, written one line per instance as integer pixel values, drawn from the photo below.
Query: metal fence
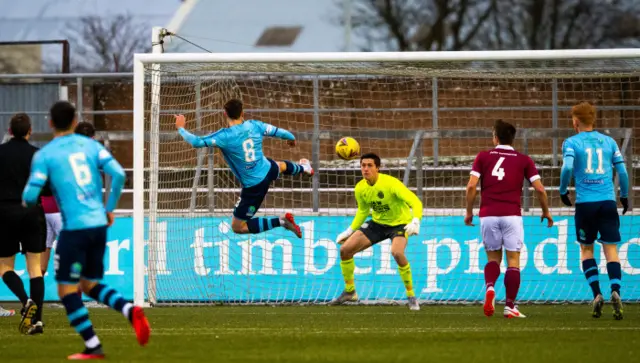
(317, 134)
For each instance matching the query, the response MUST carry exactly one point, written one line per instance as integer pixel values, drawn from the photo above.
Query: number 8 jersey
(241, 147)
(595, 155)
(502, 172)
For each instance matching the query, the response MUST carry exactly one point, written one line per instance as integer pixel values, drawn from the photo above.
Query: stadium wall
(204, 261)
(497, 97)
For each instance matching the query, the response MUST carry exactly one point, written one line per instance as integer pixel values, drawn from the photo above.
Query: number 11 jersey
(594, 156)
(502, 172)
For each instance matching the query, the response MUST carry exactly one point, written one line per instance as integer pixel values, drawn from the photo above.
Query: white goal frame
(140, 60)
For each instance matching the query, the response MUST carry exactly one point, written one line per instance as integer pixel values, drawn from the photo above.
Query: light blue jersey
(591, 156)
(72, 165)
(241, 146)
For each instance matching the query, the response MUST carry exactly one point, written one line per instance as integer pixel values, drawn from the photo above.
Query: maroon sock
(491, 273)
(512, 284)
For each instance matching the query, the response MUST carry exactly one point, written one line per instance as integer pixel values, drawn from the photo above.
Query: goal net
(426, 114)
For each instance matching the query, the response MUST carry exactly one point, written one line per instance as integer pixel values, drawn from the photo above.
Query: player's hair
(505, 132)
(62, 115)
(376, 158)
(86, 129)
(585, 112)
(20, 125)
(233, 108)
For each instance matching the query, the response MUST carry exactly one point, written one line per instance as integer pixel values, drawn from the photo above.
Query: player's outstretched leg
(290, 168)
(491, 274)
(110, 297)
(78, 316)
(259, 225)
(590, 270)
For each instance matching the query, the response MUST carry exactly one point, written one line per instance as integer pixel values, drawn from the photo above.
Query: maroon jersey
(502, 172)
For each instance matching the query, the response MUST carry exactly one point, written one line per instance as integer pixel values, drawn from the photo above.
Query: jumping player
(591, 156)
(501, 172)
(241, 147)
(396, 215)
(71, 164)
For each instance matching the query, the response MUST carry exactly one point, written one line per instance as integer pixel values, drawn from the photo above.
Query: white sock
(126, 310)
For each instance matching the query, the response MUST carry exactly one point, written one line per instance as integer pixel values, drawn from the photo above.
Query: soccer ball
(347, 148)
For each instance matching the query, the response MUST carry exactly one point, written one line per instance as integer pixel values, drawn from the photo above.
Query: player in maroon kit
(501, 172)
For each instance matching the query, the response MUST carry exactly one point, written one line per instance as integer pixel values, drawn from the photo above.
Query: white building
(222, 26)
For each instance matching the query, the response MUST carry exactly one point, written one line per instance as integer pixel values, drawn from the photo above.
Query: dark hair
(20, 125)
(505, 132)
(233, 109)
(86, 129)
(62, 115)
(376, 158)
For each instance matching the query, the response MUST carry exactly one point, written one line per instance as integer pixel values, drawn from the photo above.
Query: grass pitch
(564, 333)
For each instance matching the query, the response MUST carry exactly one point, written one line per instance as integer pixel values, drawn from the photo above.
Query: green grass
(564, 333)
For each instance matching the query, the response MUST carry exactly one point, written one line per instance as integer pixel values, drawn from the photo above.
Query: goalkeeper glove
(565, 199)
(625, 204)
(413, 227)
(342, 237)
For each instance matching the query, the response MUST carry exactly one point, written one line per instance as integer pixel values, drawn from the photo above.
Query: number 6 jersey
(502, 172)
(72, 165)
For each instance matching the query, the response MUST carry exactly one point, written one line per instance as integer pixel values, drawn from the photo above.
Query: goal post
(426, 113)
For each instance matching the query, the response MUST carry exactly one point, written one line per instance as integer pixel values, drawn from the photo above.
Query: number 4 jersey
(502, 172)
(594, 156)
(241, 147)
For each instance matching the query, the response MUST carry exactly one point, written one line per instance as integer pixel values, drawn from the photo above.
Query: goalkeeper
(396, 215)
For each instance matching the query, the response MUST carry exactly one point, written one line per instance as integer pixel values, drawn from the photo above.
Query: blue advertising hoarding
(201, 259)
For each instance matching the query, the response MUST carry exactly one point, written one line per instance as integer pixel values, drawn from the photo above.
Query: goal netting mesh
(427, 120)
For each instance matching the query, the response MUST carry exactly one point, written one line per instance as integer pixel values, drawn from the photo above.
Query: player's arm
(361, 215)
(623, 177)
(403, 193)
(195, 140)
(37, 180)
(531, 173)
(273, 131)
(568, 157)
(108, 164)
(472, 188)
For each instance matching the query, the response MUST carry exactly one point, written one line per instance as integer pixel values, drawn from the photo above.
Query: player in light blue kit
(71, 164)
(591, 157)
(241, 147)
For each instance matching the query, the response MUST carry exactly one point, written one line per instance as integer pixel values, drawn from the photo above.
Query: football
(348, 148)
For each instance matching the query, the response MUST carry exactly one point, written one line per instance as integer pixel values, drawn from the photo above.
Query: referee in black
(21, 229)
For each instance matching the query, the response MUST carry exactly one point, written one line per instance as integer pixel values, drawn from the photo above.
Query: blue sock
(79, 318)
(590, 269)
(109, 296)
(615, 276)
(292, 168)
(259, 225)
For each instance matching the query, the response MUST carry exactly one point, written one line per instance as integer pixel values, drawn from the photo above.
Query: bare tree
(106, 44)
(565, 24)
(407, 25)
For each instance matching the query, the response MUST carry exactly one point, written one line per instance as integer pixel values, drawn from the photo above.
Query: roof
(46, 19)
(236, 25)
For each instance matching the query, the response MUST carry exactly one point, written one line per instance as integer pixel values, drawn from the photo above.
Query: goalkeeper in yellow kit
(396, 215)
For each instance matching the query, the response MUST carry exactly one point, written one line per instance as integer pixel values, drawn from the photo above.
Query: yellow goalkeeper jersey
(389, 202)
